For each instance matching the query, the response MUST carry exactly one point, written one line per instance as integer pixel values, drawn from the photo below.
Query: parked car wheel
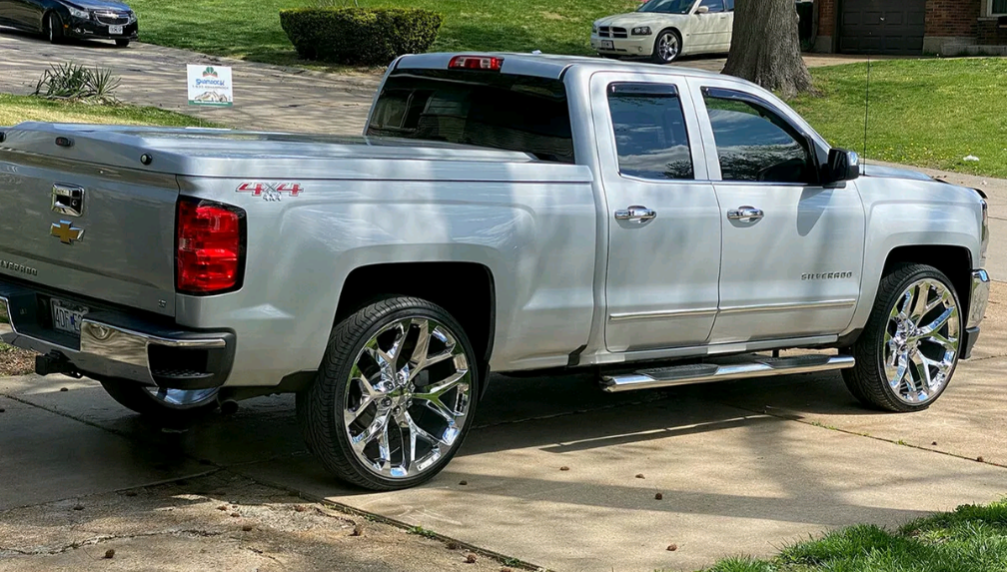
(162, 404)
(54, 28)
(122, 43)
(667, 47)
(908, 352)
(395, 395)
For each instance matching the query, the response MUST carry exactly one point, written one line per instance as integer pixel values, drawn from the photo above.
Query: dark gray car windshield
(486, 109)
(667, 6)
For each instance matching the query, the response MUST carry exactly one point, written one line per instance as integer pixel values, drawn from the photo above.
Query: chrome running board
(756, 366)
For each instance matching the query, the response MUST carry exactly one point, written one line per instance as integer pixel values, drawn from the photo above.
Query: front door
(663, 219)
(709, 29)
(792, 250)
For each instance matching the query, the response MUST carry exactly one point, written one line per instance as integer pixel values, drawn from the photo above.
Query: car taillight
(485, 63)
(210, 249)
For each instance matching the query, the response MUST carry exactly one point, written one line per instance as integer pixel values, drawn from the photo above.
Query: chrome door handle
(745, 214)
(636, 214)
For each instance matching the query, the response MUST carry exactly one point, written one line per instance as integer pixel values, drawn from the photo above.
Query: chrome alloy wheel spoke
(921, 342)
(407, 398)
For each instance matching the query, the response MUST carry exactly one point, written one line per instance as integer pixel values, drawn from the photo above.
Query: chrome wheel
(183, 398)
(921, 342)
(407, 398)
(667, 47)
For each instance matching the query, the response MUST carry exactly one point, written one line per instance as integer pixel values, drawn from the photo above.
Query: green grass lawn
(250, 29)
(928, 113)
(970, 539)
(15, 108)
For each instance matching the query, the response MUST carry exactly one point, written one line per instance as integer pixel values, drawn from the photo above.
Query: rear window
(486, 109)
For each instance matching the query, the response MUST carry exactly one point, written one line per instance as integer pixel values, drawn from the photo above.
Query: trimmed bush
(360, 36)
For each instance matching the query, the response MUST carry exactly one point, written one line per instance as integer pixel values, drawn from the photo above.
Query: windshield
(667, 6)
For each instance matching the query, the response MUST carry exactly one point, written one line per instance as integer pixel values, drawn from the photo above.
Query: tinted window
(754, 144)
(729, 4)
(486, 109)
(667, 6)
(650, 133)
(713, 5)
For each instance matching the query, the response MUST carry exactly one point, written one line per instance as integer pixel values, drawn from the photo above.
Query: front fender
(902, 212)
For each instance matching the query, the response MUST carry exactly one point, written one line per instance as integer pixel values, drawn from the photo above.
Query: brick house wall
(952, 18)
(826, 17)
(989, 33)
(955, 20)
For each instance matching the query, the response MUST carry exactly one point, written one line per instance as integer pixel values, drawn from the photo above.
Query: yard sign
(210, 85)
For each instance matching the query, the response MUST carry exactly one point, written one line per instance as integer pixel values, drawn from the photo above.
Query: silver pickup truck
(508, 213)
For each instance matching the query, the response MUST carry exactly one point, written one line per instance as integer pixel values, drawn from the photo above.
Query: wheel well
(676, 31)
(466, 290)
(954, 261)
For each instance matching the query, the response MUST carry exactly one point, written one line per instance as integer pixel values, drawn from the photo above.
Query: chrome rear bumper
(108, 350)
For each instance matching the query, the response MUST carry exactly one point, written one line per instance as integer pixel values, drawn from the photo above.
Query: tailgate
(93, 231)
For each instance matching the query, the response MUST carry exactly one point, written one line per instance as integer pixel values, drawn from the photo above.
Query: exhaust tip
(229, 407)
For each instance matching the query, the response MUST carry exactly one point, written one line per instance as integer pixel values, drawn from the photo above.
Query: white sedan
(665, 29)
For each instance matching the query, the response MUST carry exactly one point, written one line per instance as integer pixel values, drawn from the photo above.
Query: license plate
(66, 317)
(115, 30)
(607, 45)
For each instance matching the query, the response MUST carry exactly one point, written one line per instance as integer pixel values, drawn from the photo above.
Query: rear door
(75, 226)
(664, 232)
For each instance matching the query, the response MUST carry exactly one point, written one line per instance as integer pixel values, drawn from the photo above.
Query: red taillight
(485, 63)
(209, 258)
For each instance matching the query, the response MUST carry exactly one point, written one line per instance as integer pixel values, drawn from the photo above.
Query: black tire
(867, 380)
(54, 28)
(657, 56)
(136, 397)
(122, 42)
(320, 407)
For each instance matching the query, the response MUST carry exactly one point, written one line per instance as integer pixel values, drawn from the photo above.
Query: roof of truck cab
(547, 65)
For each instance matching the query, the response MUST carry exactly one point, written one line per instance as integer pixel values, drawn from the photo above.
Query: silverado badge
(66, 232)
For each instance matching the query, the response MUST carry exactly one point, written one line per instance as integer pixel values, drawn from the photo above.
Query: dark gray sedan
(59, 19)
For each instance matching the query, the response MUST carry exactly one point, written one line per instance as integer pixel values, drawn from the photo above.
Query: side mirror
(703, 10)
(843, 166)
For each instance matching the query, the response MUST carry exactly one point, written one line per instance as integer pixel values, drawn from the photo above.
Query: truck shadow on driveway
(720, 461)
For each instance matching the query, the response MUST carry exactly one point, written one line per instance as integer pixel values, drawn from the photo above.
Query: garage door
(882, 26)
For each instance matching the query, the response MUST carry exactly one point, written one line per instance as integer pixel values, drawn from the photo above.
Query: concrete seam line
(347, 509)
(854, 433)
(65, 415)
(96, 540)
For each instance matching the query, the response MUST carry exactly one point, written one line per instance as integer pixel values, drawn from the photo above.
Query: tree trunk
(766, 47)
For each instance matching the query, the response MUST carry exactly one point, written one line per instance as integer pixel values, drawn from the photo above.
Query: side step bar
(757, 366)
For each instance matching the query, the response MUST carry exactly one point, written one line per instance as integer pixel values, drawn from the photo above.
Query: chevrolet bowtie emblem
(66, 232)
